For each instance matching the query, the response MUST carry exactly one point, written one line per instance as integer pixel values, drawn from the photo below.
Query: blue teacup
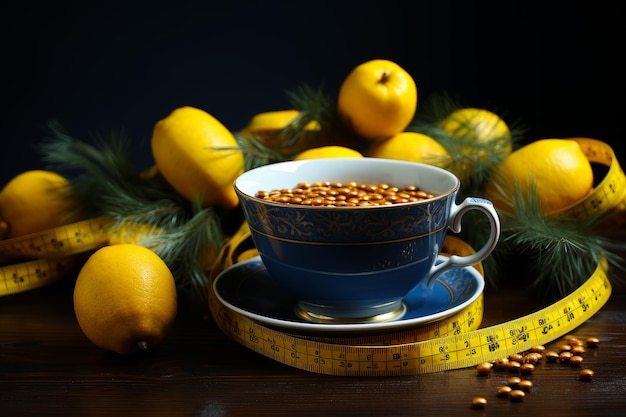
(356, 264)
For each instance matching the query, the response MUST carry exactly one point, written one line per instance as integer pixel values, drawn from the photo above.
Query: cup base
(317, 315)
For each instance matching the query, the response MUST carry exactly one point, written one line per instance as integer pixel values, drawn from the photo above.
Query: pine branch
(257, 154)
(562, 252)
(313, 106)
(473, 162)
(185, 235)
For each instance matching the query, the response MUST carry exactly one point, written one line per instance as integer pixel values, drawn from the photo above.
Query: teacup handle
(454, 223)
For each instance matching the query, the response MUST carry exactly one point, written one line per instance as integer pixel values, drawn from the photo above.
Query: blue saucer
(249, 289)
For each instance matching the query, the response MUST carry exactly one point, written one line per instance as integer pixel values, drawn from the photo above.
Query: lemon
(478, 140)
(36, 200)
(478, 129)
(267, 124)
(558, 170)
(330, 151)
(377, 99)
(270, 128)
(198, 156)
(410, 146)
(125, 298)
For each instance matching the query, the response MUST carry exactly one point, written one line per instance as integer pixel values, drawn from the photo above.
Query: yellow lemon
(36, 200)
(377, 99)
(267, 124)
(330, 151)
(558, 170)
(198, 156)
(478, 128)
(125, 298)
(411, 146)
(270, 128)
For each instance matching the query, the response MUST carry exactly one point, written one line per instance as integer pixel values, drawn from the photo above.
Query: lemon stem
(384, 78)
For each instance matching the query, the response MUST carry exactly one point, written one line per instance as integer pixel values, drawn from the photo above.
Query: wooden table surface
(48, 367)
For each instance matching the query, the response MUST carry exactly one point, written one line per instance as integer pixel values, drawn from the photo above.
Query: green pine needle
(435, 108)
(561, 252)
(471, 161)
(104, 176)
(255, 153)
(187, 237)
(313, 105)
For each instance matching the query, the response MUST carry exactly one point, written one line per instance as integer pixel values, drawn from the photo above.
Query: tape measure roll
(61, 241)
(34, 274)
(608, 198)
(48, 256)
(451, 343)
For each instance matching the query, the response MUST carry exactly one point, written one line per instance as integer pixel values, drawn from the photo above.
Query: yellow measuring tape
(451, 343)
(48, 255)
(609, 197)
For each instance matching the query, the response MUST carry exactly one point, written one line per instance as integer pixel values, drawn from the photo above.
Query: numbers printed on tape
(51, 254)
(61, 241)
(611, 192)
(451, 343)
(34, 274)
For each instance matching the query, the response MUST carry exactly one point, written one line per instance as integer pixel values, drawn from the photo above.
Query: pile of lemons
(125, 296)
(378, 101)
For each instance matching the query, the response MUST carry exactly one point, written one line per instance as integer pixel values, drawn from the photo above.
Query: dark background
(104, 67)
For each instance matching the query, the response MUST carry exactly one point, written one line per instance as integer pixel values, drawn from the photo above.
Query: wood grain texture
(48, 367)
